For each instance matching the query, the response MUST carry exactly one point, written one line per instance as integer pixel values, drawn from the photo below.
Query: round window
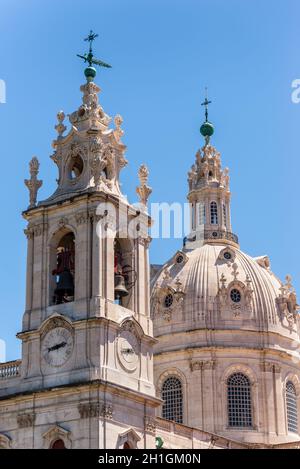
(168, 300)
(179, 259)
(227, 255)
(235, 295)
(76, 167)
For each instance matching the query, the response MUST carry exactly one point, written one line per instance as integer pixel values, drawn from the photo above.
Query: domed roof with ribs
(217, 286)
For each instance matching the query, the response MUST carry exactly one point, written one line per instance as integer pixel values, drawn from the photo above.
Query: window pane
(213, 213)
(291, 407)
(239, 401)
(172, 397)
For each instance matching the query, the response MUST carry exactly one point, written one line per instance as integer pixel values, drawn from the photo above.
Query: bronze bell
(120, 288)
(65, 284)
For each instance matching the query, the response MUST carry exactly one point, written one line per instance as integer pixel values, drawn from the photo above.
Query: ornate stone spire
(91, 155)
(143, 190)
(33, 183)
(209, 194)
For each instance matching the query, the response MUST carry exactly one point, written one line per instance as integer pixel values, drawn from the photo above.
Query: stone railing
(179, 436)
(213, 235)
(219, 234)
(10, 369)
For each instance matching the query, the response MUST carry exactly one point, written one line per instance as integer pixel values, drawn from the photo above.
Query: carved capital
(202, 365)
(107, 411)
(89, 409)
(35, 230)
(25, 420)
(271, 367)
(150, 425)
(145, 241)
(81, 218)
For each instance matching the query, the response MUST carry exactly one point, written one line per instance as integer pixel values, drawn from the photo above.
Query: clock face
(128, 350)
(57, 346)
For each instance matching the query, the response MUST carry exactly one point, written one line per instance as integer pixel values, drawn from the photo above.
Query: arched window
(124, 274)
(213, 213)
(64, 271)
(239, 401)
(291, 407)
(171, 394)
(202, 214)
(58, 444)
(126, 445)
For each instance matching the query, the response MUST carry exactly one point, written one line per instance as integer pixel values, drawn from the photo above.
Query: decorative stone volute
(287, 302)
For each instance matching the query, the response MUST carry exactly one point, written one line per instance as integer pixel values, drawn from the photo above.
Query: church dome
(218, 284)
(227, 327)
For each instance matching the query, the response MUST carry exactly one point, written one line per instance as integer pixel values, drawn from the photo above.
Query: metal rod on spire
(206, 103)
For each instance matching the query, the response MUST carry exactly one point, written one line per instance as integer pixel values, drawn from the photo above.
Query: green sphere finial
(207, 129)
(90, 73)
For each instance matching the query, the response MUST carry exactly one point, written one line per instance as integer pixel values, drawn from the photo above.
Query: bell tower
(87, 319)
(209, 194)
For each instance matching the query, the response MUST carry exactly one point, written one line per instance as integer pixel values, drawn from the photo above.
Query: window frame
(178, 390)
(295, 397)
(214, 213)
(239, 402)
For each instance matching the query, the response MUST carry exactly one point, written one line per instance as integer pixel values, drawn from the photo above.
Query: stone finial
(118, 132)
(225, 178)
(235, 272)
(223, 281)
(288, 284)
(60, 127)
(33, 183)
(143, 190)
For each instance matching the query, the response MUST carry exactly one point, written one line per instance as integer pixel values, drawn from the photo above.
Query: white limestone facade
(85, 379)
(227, 356)
(214, 363)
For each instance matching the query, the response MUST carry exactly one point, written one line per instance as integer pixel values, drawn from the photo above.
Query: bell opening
(123, 272)
(64, 271)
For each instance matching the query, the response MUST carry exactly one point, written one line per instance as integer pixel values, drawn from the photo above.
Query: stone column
(208, 391)
(29, 269)
(97, 271)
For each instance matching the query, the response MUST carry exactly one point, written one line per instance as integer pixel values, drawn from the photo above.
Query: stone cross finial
(33, 183)
(143, 190)
(60, 127)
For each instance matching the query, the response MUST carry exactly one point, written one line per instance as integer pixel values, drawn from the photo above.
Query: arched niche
(124, 271)
(62, 267)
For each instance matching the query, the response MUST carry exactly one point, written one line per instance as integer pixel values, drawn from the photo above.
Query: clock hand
(57, 346)
(127, 350)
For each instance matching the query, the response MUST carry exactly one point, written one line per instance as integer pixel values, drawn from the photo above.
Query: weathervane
(90, 71)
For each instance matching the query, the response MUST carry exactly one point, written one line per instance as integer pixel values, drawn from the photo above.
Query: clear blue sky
(163, 52)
